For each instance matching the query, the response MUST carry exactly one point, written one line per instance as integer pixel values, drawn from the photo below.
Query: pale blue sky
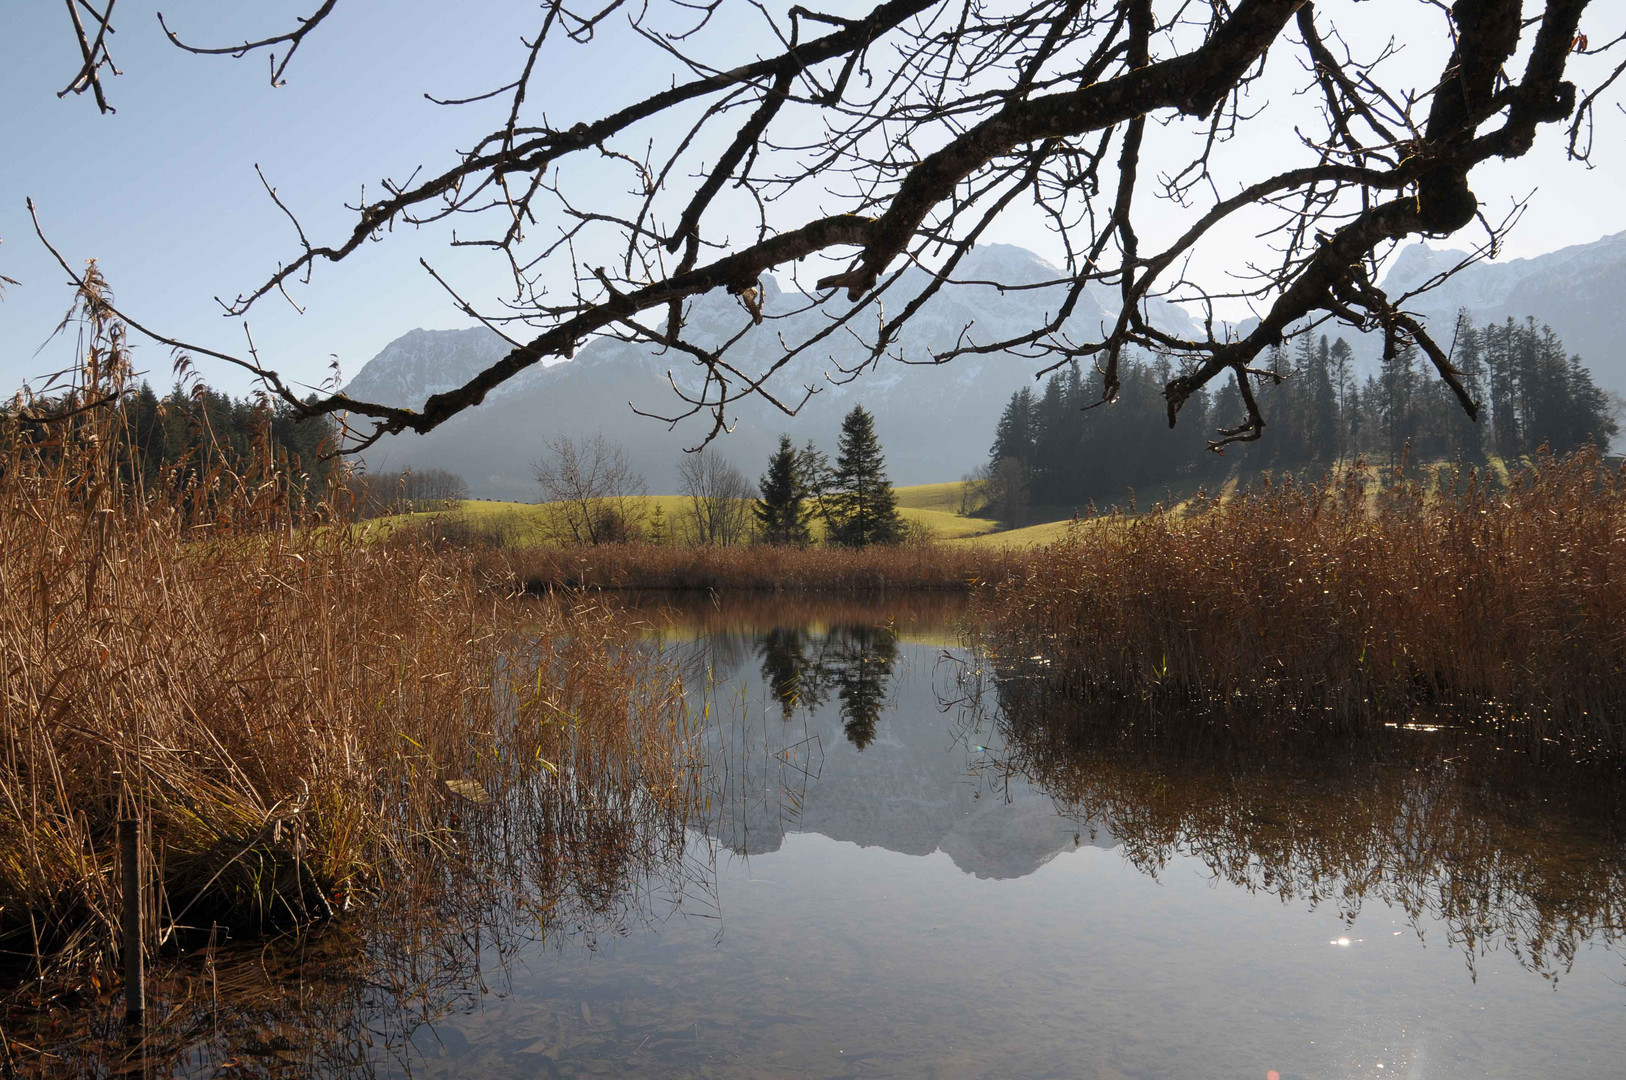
(165, 195)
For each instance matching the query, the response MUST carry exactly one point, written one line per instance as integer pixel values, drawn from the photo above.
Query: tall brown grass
(1350, 602)
(295, 718)
(758, 567)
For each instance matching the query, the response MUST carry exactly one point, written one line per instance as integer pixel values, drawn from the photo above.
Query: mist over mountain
(1578, 291)
(935, 422)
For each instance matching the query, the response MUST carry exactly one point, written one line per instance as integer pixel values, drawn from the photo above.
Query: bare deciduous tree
(720, 500)
(405, 491)
(590, 491)
(999, 489)
(919, 127)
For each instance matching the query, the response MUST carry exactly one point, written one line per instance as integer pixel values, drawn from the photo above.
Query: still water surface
(892, 874)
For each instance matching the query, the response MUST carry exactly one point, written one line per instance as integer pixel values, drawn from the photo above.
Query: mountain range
(935, 422)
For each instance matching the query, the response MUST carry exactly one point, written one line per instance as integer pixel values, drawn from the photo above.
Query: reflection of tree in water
(854, 662)
(1506, 854)
(785, 668)
(862, 658)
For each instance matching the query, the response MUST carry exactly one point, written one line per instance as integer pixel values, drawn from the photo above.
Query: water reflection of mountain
(842, 730)
(839, 731)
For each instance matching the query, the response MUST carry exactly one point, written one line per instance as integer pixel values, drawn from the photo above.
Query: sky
(165, 195)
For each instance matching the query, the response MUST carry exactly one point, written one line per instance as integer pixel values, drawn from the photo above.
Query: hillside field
(933, 506)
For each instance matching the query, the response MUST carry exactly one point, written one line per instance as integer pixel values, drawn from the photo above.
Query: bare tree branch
(889, 146)
(293, 39)
(93, 51)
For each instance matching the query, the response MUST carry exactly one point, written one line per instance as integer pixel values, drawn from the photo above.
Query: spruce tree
(1320, 438)
(863, 507)
(1054, 451)
(1396, 403)
(658, 533)
(1341, 369)
(1464, 433)
(781, 511)
(1013, 438)
(1593, 418)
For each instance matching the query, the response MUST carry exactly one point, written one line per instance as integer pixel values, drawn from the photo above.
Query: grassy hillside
(934, 506)
(1047, 532)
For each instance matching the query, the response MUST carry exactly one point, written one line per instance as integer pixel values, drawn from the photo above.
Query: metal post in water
(135, 979)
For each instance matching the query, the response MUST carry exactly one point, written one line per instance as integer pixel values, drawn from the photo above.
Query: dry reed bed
(757, 567)
(1357, 604)
(281, 706)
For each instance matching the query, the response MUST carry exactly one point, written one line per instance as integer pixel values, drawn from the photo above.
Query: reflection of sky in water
(897, 904)
(836, 960)
(886, 884)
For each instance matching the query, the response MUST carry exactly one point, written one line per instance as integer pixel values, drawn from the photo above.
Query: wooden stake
(135, 979)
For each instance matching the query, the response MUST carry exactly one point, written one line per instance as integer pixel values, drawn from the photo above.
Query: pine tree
(1055, 453)
(1497, 345)
(1396, 403)
(1593, 419)
(1341, 370)
(658, 533)
(1355, 408)
(1013, 438)
(1465, 434)
(782, 511)
(1318, 422)
(863, 507)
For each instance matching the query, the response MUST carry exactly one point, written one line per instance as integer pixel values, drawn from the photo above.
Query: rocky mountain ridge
(934, 421)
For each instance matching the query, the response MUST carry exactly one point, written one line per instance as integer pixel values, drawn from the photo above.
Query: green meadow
(933, 508)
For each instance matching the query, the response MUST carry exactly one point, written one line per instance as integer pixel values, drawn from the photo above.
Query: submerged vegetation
(298, 720)
(1348, 603)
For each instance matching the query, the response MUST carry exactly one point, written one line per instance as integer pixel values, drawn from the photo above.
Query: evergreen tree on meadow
(1465, 437)
(782, 510)
(657, 532)
(1013, 438)
(1497, 348)
(1397, 386)
(1590, 415)
(1341, 372)
(1073, 451)
(1053, 442)
(862, 508)
(1321, 420)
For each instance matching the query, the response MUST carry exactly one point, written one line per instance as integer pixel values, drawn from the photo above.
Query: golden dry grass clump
(1350, 601)
(295, 717)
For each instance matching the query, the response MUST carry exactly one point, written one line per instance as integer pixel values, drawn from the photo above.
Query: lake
(898, 863)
